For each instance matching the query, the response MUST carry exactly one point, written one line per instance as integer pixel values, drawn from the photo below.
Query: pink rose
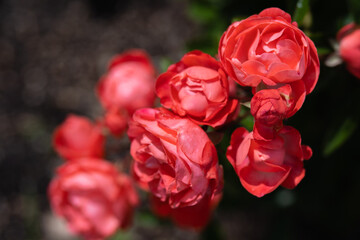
(129, 82)
(349, 37)
(268, 48)
(175, 160)
(77, 137)
(197, 87)
(271, 106)
(93, 197)
(116, 121)
(262, 166)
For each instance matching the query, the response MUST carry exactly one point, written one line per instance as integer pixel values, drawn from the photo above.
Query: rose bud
(349, 38)
(262, 166)
(271, 106)
(269, 110)
(175, 160)
(93, 197)
(116, 121)
(77, 137)
(129, 82)
(197, 88)
(268, 48)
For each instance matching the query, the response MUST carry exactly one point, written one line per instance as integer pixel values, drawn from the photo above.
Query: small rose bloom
(269, 109)
(349, 37)
(262, 166)
(116, 121)
(175, 160)
(129, 82)
(268, 48)
(77, 137)
(271, 106)
(197, 87)
(94, 198)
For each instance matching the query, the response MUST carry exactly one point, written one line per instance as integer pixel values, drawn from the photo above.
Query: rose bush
(129, 82)
(93, 197)
(262, 166)
(269, 49)
(349, 38)
(175, 160)
(196, 87)
(77, 137)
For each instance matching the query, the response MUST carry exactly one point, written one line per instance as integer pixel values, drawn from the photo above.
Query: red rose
(129, 82)
(93, 197)
(271, 106)
(195, 216)
(77, 137)
(116, 121)
(196, 87)
(269, 48)
(269, 109)
(349, 37)
(262, 166)
(175, 160)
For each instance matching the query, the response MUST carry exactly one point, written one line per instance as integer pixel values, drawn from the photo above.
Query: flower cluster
(266, 57)
(89, 192)
(270, 54)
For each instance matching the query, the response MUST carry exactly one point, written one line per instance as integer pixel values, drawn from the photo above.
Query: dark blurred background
(52, 54)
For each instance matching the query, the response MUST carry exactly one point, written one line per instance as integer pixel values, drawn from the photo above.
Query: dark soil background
(52, 54)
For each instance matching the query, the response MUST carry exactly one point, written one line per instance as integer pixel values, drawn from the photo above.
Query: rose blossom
(269, 109)
(175, 160)
(197, 87)
(349, 37)
(129, 82)
(264, 165)
(116, 121)
(195, 216)
(77, 137)
(268, 48)
(93, 197)
(271, 106)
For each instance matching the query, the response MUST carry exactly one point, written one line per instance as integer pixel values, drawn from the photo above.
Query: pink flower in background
(349, 38)
(116, 121)
(175, 160)
(77, 137)
(262, 166)
(197, 87)
(93, 197)
(129, 82)
(268, 48)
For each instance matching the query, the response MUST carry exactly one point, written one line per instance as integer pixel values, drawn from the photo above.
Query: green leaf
(201, 13)
(248, 122)
(302, 10)
(164, 64)
(354, 9)
(342, 135)
(122, 235)
(323, 50)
